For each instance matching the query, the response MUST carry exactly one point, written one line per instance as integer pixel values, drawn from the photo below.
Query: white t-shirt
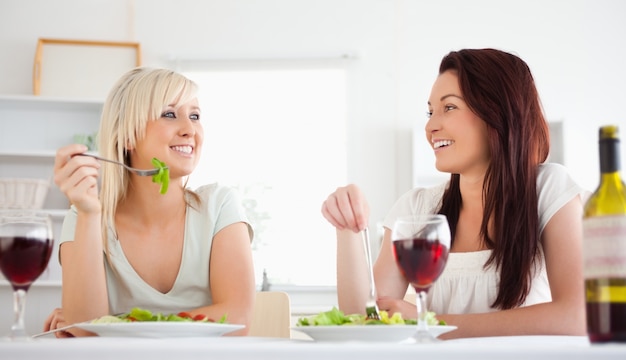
(219, 207)
(465, 286)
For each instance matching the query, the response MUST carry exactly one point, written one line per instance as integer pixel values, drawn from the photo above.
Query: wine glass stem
(19, 305)
(422, 325)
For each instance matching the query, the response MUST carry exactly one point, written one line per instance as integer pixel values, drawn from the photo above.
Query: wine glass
(420, 246)
(25, 247)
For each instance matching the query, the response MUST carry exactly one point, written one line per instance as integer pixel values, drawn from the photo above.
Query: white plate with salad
(385, 333)
(149, 329)
(335, 326)
(144, 323)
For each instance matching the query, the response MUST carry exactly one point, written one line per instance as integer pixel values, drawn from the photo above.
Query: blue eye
(169, 114)
(194, 116)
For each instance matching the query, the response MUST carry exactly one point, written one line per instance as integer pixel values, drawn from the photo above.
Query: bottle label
(610, 294)
(604, 247)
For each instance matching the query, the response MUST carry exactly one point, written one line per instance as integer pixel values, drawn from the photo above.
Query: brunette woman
(515, 263)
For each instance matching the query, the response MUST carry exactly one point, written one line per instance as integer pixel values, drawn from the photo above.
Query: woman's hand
(347, 208)
(394, 305)
(77, 177)
(56, 320)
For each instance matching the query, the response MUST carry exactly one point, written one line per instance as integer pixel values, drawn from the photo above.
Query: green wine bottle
(604, 246)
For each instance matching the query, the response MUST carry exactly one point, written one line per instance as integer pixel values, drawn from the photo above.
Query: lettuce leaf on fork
(163, 176)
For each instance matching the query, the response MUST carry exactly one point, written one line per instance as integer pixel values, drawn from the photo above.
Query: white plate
(160, 329)
(389, 333)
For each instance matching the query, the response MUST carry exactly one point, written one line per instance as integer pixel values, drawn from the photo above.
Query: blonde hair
(137, 97)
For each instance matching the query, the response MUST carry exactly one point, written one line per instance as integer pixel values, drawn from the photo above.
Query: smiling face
(456, 134)
(175, 138)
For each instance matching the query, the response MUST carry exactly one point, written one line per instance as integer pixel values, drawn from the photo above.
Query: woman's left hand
(393, 305)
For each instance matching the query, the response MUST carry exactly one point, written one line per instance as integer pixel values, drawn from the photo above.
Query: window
(279, 136)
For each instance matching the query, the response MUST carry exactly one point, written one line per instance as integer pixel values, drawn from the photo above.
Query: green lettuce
(163, 176)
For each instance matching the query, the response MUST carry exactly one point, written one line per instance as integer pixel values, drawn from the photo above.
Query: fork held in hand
(371, 308)
(139, 172)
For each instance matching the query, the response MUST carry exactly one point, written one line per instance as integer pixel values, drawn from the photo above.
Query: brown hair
(500, 89)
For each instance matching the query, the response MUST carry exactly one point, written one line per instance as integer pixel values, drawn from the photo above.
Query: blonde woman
(123, 243)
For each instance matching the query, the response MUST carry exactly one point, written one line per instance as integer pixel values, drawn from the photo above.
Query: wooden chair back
(272, 315)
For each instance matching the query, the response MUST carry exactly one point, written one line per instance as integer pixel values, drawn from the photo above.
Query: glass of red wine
(420, 245)
(25, 247)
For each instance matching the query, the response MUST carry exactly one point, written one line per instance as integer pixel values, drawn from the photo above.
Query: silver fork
(371, 308)
(54, 330)
(139, 172)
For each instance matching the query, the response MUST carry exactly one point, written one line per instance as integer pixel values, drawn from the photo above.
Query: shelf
(56, 213)
(49, 103)
(29, 154)
(37, 283)
(50, 122)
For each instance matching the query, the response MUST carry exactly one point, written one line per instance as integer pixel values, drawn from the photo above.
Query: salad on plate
(139, 314)
(339, 318)
(334, 326)
(145, 323)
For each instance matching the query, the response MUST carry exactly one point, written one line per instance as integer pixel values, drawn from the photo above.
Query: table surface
(234, 348)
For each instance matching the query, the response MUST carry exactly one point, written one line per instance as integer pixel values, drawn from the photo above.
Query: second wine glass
(25, 248)
(420, 245)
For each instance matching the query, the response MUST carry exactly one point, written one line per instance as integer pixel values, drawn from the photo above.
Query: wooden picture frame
(81, 68)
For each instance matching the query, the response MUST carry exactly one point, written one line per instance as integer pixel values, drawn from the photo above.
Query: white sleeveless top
(220, 206)
(465, 286)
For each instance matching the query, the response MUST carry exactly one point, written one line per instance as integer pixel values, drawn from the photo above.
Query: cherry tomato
(184, 314)
(200, 317)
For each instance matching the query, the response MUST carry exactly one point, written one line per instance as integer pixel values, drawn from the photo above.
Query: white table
(234, 348)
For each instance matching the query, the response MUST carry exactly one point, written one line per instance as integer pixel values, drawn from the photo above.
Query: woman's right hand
(347, 208)
(54, 321)
(77, 177)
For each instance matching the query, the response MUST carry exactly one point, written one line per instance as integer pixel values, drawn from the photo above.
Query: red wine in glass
(420, 246)
(421, 261)
(25, 248)
(23, 259)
